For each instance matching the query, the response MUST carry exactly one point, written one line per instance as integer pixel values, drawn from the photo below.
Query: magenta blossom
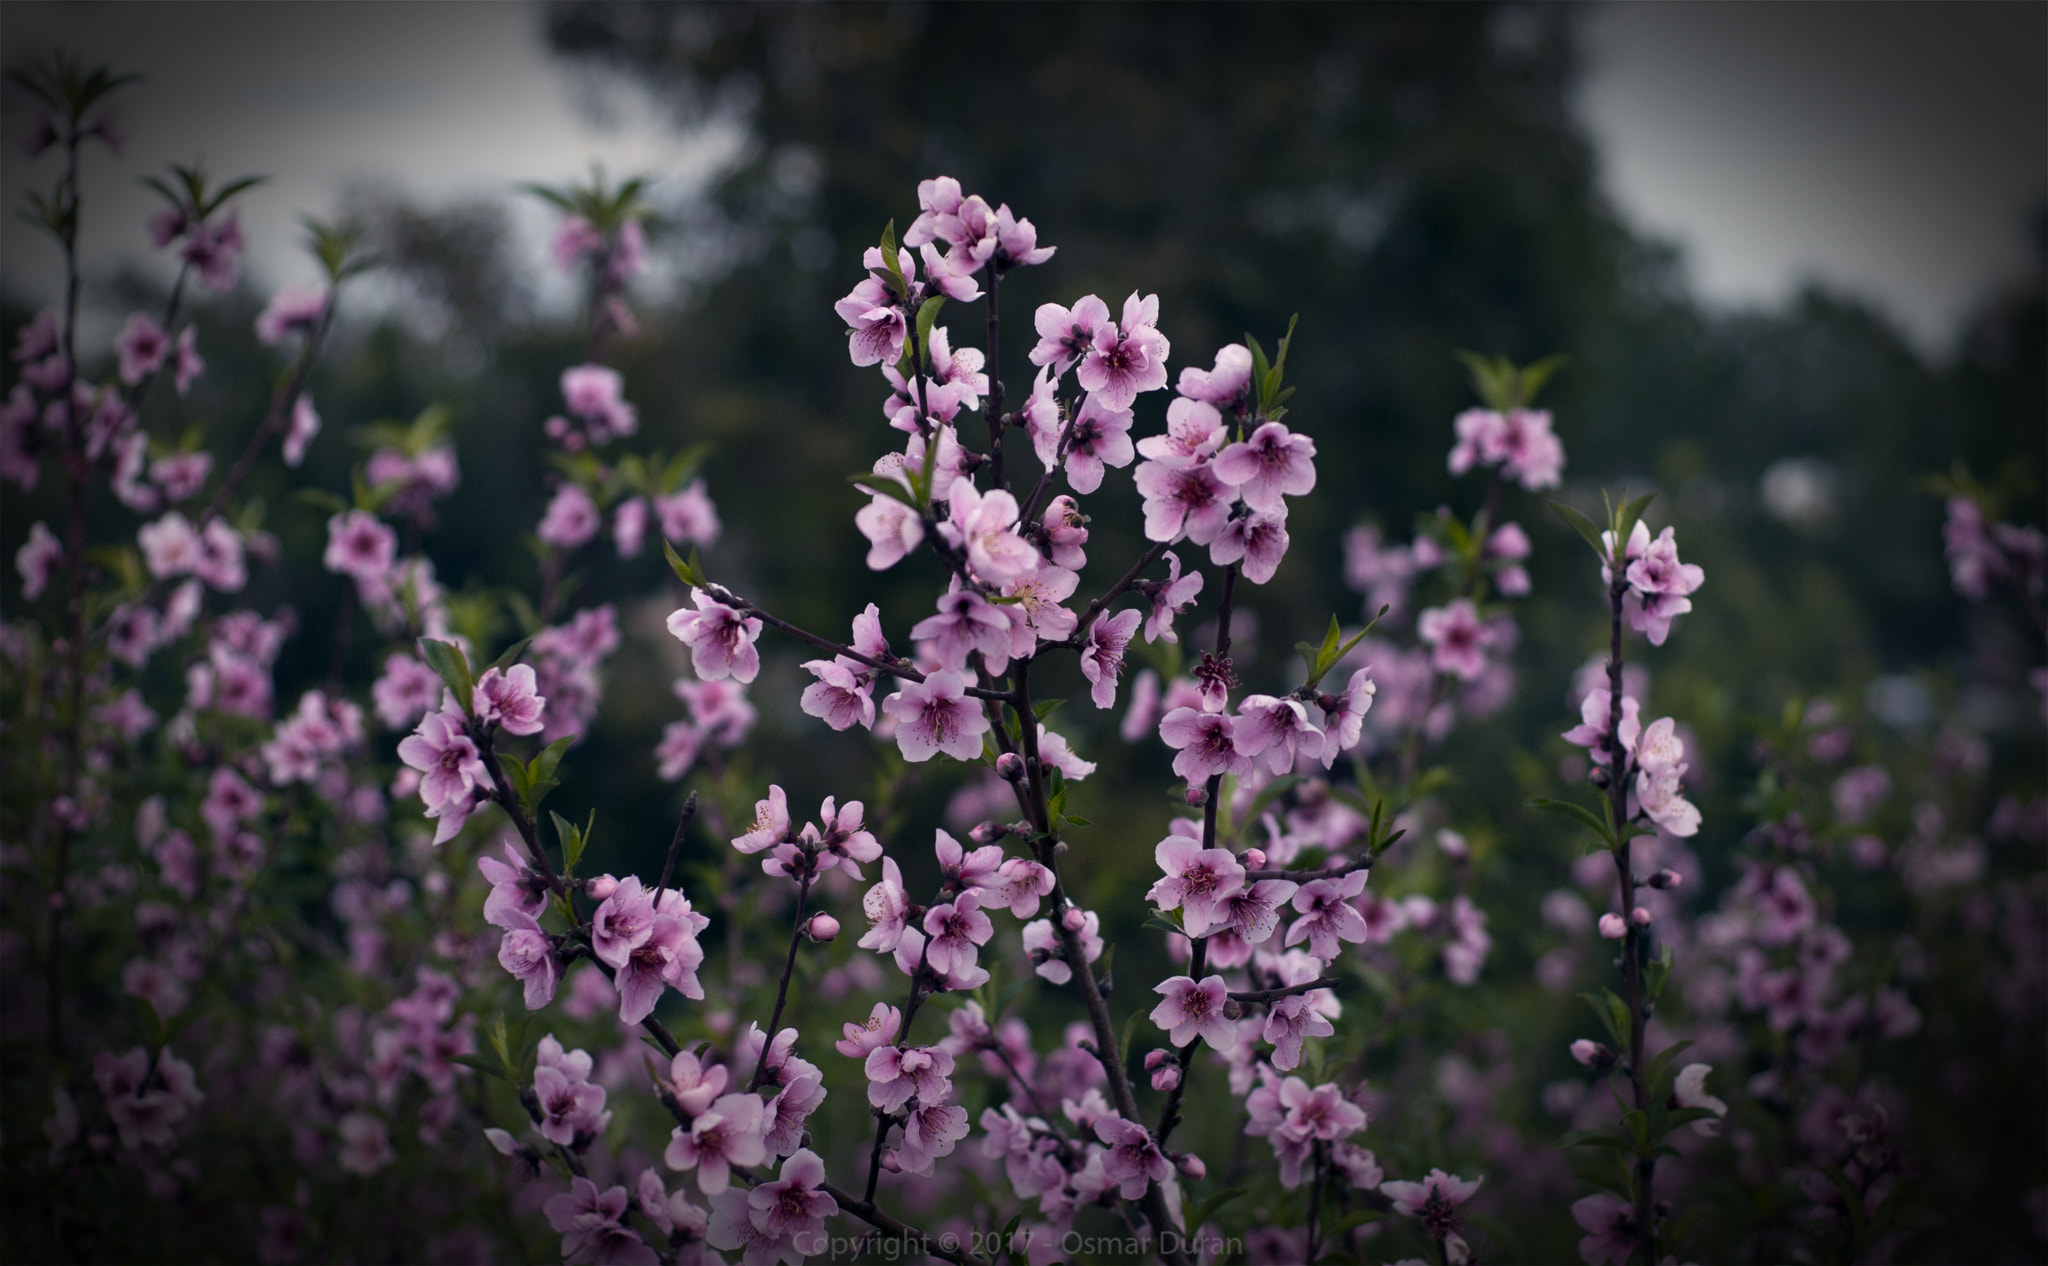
(1174, 595)
(1127, 359)
(895, 1074)
(792, 1207)
(1257, 541)
(1183, 501)
(1198, 882)
(510, 699)
(1134, 1160)
(726, 1134)
(862, 1040)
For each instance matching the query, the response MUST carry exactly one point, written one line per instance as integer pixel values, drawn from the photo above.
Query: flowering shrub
(327, 976)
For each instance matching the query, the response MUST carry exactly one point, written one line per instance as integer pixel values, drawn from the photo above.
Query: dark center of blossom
(1193, 491)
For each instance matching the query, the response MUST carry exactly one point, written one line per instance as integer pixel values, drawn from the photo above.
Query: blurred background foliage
(1409, 179)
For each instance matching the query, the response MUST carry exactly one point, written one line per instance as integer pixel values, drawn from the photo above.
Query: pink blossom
(170, 546)
(1661, 584)
(187, 365)
(1276, 729)
(515, 890)
(982, 525)
(450, 769)
(957, 929)
(1591, 731)
(569, 1105)
(1102, 654)
(1098, 436)
(893, 530)
(406, 690)
(1612, 926)
(841, 836)
(1134, 1160)
(1530, 452)
(509, 698)
(1183, 501)
(215, 251)
(292, 310)
(592, 1226)
(966, 623)
(930, 1132)
(1344, 723)
(792, 1207)
(1065, 335)
(1662, 798)
(962, 869)
(720, 639)
(1199, 882)
(934, 716)
(221, 559)
(1457, 638)
(571, 519)
(1194, 1010)
(1272, 463)
(840, 697)
(1173, 596)
(1446, 1190)
(574, 238)
(895, 1074)
(1610, 1223)
(359, 545)
(863, 1040)
(1328, 915)
(1291, 1020)
(1690, 1089)
(181, 474)
(526, 953)
(142, 345)
(1206, 742)
(728, 1133)
(669, 956)
(1258, 541)
(1065, 532)
(1122, 362)
(1223, 385)
(365, 1146)
(879, 330)
(887, 909)
(36, 559)
(688, 516)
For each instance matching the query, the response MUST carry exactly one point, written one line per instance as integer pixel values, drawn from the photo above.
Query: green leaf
(1043, 708)
(1629, 514)
(544, 764)
(876, 485)
(889, 260)
(515, 774)
(1123, 1045)
(1206, 1208)
(512, 654)
(321, 499)
(1613, 1013)
(447, 659)
(1595, 1138)
(1070, 820)
(1660, 1068)
(1584, 526)
(1160, 922)
(927, 313)
(1532, 377)
(571, 839)
(685, 572)
(1577, 813)
(483, 1064)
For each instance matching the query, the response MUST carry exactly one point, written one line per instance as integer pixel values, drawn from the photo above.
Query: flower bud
(1591, 1053)
(1165, 1079)
(1010, 766)
(1154, 1059)
(1073, 920)
(1197, 796)
(1600, 777)
(1666, 879)
(601, 887)
(1639, 917)
(1254, 858)
(1190, 1165)
(988, 832)
(822, 928)
(890, 1163)
(1612, 927)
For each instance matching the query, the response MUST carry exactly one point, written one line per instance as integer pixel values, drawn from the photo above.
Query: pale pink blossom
(1066, 335)
(571, 519)
(982, 525)
(688, 516)
(1690, 1089)
(1225, 384)
(893, 530)
(1457, 638)
(1183, 501)
(1133, 1160)
(510, 699)
(863, 1040)
(1610, 1224)
(1199, 882)
(729, 1133)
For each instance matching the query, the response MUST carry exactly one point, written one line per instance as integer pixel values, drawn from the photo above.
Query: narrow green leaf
(1044, 707)
(1577, 813)
(685, 572)
(1532, 377)
(1123, 1051)
(876, 485)
(571, 839)
(1584, 526)
(447, 659)
(1595, 1138)
(549, 757)
(1071, 820)
(1618, 1032)
(1654, 1076)
(512, 654)
(515, 774)
(927, 313)
(1629, 514)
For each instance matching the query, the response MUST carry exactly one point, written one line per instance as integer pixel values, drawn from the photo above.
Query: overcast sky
(1892, 150)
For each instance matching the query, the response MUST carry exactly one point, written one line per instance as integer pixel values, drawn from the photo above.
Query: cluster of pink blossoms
(1518, 443)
